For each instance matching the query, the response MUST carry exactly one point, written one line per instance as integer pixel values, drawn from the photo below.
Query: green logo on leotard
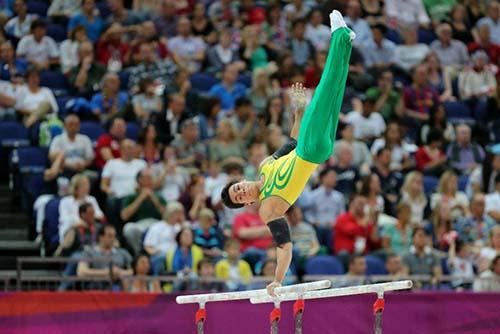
(280, 176)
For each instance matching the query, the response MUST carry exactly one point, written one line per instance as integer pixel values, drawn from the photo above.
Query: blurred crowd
(414, 180)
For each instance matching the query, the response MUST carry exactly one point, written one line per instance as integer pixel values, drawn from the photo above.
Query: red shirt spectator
(250, 230)
(354, 232)
(431, 159)
(108, 145)
(110, 45)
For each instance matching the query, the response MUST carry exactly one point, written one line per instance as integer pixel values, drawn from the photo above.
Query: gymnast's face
(244, 192)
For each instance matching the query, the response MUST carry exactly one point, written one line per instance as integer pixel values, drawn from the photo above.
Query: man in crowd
(108, 144)
(86, 77)
(463, 154)
(421, 259)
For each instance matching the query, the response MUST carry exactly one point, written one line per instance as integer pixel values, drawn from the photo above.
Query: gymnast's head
(238, 193)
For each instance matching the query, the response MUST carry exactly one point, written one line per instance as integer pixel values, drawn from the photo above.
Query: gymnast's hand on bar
(270, 288)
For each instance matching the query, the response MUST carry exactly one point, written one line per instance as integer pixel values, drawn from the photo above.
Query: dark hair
(265, 263)
(497, 179)
(434, 135)
(291, 208)
(144, 82)
(136, 259)
(242, 102)
(416, 229)
(32, 69)
(381, 150)
(459, 245)
(298, 21)
(354, 257)
(178, 235)
(203, 262)
(232, 167)
(102, 230)
(141, 138)
(83, 208)
(226, 199)
(112, 120)
(494, 261)
(325, 171)
(38, 23)
(78, 27)
(139, 174)
(380, 27)
(207, 104)
(365, 184)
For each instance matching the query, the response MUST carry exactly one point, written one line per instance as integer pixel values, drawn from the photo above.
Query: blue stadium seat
(202, 81)
(495, 131)
(458, 112)
(393, 35)
(375, 266)
(57, 31)
(324, 265)
(104, 10)
(32, 159)
(38, 7)
(430, 184)
(13, 134)
(62, 102)
(51, 223)
(245, 79)
(124, 77)
(444, 266)
(91, 129)
(481, 111)
(426, 36)
(132, 130)
(463, 180)
(56, 81)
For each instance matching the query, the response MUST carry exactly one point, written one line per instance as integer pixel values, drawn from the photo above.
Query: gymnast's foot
(337, 21)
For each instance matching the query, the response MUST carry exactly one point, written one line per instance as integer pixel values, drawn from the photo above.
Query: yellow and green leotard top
(285, 177)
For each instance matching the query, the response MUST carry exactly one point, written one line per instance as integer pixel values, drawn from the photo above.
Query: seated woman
(412, 193)
(146, 102)
(69, 48)
(141, 267)
(439, 77)
(370, 188)
(184, 258)
(448, 193)
(148, 145)
(110, 101)
(226, 144)
(397, 238)
(430, 158)
(441, 226)
(401, 150)
(170, 179)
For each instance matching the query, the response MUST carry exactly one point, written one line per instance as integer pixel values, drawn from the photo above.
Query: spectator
(166, 21)
(388, 98)
(189, 150)
(370, 188)
(257, 153)
(222, 53)
(492, 21)
(168, 123)
(69, 49)
(356, 273)
(63, 9)
(347, 173)
(120, 259)
(11, 68)
(476, 228)
(487, 253)
(187, 50)
(304, 238)
(362, 158)
(430, 158)
(184, 258)
(146, 33)
(119, 175)
(460, 24)
(420, 98)
(8, 100)
(85, 78)
(357, 24)
(20, 25)
(447, 193)
(312, 73)
(373, 12)
(484, 43)
(412, 194)
(226, 145)
(301, 48)
(326, 204)
(37, 48)
(368, 124)
(397, 238)
(110, 101)
(460, 264)
(194, 198)
(355, 231)
(296, 9)
(75, 148)
(205, 280)
(207, 235)
(400, 149)
(252, 51)
(439, 77)
(170, 178)
(108, 144)
(475, 11)
(111, 49)
(379, 52)
(411, 53)
(421, 260)
(119, 14)
(391, 181)
(437, 122)
(149, 147)
(202, 26)
(489, 280)
(274, 29)
(89, 18)
(316, 32)
(275, 114)
(151, 67)
(159, 237)
(77, 237)
(407, 13)
(482, 179)
(394, 265)
(36, 101)
(243, 120)
(492, 201)
(142, 267)
(142, 208)
(146, 102)
(182, 85)
(228, 90)
(441, 226)
(233, 269)
(464, 155)
(69, 215)
(478, 86)
(450, 52)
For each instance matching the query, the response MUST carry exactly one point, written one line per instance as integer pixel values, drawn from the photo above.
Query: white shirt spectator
(319, 36)
(9, 90)
(77, 151)
(460, 199)
(476, 179)
(325, 206)
(64, 7)
(187, 47)
(68, 212)
(291, 10)
(473, 83)
(408, 56)
(365, 127)
(454, 54)
(494, 28)
(362, 29)
(407, 12)
(31, 100)
(492, 202)
(161, 236)
(19, 29)
(35, 51)
(488, 281)
(173, 184)
(399, 152)
(69, 55)
(122, 175)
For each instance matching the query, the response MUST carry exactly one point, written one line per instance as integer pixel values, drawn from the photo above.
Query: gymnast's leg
(319, 123)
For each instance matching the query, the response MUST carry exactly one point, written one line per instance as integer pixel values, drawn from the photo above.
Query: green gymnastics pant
(319, 123)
